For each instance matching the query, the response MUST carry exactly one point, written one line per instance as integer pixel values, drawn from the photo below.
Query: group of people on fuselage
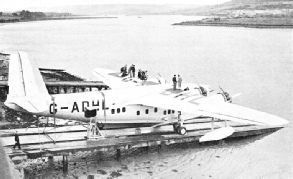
(142, 75)
(177, 81)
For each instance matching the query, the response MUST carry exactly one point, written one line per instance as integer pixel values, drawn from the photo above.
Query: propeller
(227, 95)
(161, 79)
(202, 89)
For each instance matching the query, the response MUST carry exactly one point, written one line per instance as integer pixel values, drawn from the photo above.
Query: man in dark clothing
(130, 71)
(139, 74)
(133, 71)
(16, 138)
(174, 82)
(144, 75)
(124, 71)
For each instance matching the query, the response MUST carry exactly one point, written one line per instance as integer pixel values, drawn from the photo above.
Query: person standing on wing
(174, 82)
(133, 71)
(179, 81)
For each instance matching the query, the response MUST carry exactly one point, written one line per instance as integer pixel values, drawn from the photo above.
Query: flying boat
(129, 101)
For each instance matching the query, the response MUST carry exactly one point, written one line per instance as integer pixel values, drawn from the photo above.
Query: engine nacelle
(226, 97)
(204, 89)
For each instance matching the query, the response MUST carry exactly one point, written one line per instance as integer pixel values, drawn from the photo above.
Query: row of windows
(156, 110)
(146, 111)
(169, 112)
(118, 110)
(72, 89)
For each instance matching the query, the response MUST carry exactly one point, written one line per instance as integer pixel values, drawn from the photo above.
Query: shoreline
(262, 23)
(260, 26)
(3, 21)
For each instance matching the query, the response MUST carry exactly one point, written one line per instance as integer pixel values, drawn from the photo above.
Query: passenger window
(156, 109)
(146, 111)
(112, 111)
(173, 111)
(165, 112)
(169, 111)
(123, 109)
(138, 113)
(118, 110)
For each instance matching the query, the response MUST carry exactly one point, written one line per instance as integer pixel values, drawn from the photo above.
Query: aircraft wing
(241, 114)
(115, 81)
(112, 78)
(210, 108)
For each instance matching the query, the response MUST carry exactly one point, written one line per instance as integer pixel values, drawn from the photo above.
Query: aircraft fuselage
(72, 106)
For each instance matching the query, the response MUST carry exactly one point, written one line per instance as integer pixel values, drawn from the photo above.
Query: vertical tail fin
(27, 89)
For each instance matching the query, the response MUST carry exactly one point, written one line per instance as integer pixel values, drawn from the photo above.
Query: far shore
(13, 20)
(260, 22)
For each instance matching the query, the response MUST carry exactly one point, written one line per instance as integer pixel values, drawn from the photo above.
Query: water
(255, 62)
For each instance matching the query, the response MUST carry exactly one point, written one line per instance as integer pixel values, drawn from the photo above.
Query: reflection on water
(255, 62)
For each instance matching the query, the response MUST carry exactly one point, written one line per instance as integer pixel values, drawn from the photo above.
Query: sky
(11, 5)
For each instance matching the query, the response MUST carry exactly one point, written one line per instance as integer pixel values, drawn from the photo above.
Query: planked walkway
(72, 139)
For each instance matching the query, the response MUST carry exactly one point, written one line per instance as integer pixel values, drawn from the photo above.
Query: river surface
(255, 62)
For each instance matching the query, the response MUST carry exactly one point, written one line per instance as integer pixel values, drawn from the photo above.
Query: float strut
(159, 148)
(118, 154)
(65, 165)
(147, 148)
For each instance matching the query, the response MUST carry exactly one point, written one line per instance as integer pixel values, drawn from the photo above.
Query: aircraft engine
(226, 97)
(204, 89)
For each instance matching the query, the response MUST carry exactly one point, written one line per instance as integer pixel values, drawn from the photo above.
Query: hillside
(270, 6)
(167, 9)
(117, 9)
(245, 13)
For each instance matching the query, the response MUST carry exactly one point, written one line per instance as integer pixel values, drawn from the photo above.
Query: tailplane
(27, 90)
